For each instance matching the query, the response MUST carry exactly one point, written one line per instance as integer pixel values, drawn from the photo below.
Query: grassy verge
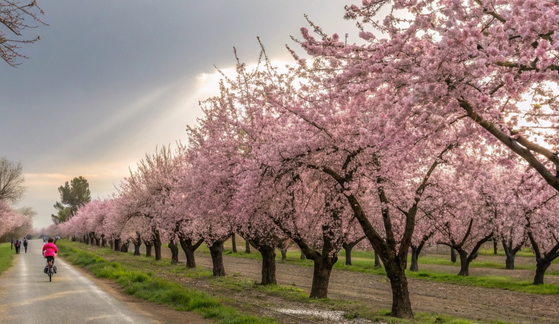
(6, 255)
(495, 282)
(129, 272)
(149, 286)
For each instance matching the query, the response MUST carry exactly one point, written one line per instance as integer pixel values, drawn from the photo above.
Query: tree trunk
(495, 247)
(303, 256)
(137, 248)
(148, 249)
(174, 252)
(464, 264)
(321, 278)
(247, 247)
(233, 243)
(377, 261)
(268, 265)
(157, 246)
(414, 256)
(509, 262)
(117, 244)
(124, 247)
(510, 252)
(452, 255)
(283, 255)
(347, 249)
(137, 244)
(188, 248)
(111, 244)
(401, 304)
(541, 267)
(216, 251)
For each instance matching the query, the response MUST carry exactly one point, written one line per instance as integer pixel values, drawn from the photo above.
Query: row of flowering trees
(415, 136)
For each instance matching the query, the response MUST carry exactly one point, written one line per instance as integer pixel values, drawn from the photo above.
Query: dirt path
(427, 296)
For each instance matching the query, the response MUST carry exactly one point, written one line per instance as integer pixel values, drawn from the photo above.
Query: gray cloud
(110, 80)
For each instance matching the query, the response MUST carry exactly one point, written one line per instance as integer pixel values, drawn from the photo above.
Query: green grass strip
(147, 285)
(6, 257)
(496, 282)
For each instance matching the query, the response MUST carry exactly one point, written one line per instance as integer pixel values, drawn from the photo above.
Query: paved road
(27, 296)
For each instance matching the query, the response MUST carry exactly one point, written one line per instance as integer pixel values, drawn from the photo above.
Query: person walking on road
(25, 242)
(16, 244)
(12, 243)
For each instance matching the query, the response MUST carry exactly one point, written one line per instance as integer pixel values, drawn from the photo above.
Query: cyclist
(49, 252)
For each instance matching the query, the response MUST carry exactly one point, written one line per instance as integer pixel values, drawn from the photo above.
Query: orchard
(440, 125)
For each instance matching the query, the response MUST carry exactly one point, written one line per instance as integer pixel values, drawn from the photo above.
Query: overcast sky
(111, 80)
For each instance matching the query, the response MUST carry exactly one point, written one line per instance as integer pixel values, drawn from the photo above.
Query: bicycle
(50, 268)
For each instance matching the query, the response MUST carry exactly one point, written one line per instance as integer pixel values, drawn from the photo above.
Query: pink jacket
(49, 249)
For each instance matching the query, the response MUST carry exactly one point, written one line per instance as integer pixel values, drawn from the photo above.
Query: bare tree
(11, 181)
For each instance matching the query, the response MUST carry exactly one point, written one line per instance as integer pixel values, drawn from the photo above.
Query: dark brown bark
(416, 250)
(377, 265)
(465, 258)
(543, 259)
(117, 244)
(321, 276)
(233, 243)
(464, 264)
(509, 262)
(510, 252)
(174, 252)
(541, 267)
(453, 256)
(189, 248)
(401, 304)
(157, 246)
(323, 262)
(216, 251)
(495, 247)
(137, 246)
(268, 264)
(247, 247)
(124, 247)
(283, 255)
(414, 256)
(303, 256)
(347, 249)
(149, 247)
